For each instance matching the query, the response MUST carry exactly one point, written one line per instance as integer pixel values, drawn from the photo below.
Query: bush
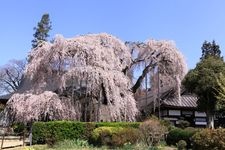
(167, 124)
(114, 136)
(54, 131)
(19, 128)
(152, 132)
(126, 135)
(39, 131)
(118, 124)
(103, 135)
(88, 129)
(177, 134)
(183, 124)
(181, 145)
(209, 139)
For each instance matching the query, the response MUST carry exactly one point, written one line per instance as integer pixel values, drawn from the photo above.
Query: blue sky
(187, 22)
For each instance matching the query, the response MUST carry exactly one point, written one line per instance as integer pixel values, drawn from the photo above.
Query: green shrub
(183, 124)
(19, 128)
(167, 124)
(50, 139)
(209, 139)
(54, 131)
(114, 136)
(103, 135)
(177, 134)
(39, 133)
(181, 145)
(126, 135)
(118, 124)
(88, 129)
(192, 130)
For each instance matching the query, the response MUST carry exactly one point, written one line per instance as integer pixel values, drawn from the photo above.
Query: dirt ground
(12, 143)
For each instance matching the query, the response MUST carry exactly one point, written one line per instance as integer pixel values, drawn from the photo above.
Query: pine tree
(210, 49)
(42, 30)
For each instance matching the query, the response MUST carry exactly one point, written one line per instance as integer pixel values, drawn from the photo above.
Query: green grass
(83, 145)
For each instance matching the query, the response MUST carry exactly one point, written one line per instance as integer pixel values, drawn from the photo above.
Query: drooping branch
(56, 72)
(141, 77)
(62, 66)
(165, 55)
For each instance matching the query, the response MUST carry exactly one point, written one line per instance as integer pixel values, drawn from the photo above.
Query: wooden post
(3, 137)
(23, 138)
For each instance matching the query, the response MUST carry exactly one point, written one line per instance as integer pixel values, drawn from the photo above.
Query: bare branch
(11, 76)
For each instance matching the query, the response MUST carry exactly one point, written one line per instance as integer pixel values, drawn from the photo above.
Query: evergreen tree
(42, 30)
(221, 92)
(210, 49)
(202, 81)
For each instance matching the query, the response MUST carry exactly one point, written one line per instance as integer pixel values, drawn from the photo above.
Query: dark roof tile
(189, 101)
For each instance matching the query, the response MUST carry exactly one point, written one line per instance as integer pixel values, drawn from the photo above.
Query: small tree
(42, 30)
(152, 132)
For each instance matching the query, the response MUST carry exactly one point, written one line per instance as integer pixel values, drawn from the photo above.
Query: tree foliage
(203, 79)
(159, 54)
(221, 92)
(42, 30)
(210, 49)
(88, 75)
(202, 82)
(84, 74)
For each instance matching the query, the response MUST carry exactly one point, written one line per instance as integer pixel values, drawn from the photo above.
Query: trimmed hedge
(118, 124)
(50, 132)
(53, 131)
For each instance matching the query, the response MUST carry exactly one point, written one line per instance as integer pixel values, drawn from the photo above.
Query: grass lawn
(45, 147)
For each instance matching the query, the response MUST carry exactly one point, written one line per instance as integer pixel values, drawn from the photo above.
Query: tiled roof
(188, 101)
